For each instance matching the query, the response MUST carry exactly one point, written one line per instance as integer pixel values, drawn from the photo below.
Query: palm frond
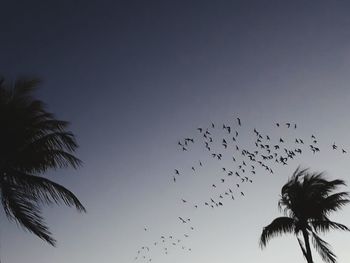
(44, 190)
(59, 140)
(279, 226)
(22, 208)
(320, 186)
(301, 244)
(326, 225)
(323, 248)
(24, 87)
(41, 161)
(334, 202)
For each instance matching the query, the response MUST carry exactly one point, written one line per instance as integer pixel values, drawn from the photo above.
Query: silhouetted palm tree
(32, 141)
(307, 199)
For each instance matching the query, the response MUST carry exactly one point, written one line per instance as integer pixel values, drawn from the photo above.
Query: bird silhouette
(334, 146)
(182, 220)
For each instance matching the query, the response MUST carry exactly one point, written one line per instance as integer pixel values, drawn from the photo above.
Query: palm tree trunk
(307, 246)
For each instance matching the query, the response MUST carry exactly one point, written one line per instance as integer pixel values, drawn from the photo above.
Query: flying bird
(182, 220)
(334, 146)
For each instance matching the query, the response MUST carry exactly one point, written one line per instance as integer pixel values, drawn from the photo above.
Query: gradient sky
(134, 77)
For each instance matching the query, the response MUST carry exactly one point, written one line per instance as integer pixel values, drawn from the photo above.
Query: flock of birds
(261, 156)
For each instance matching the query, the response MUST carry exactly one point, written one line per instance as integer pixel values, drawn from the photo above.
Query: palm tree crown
(32, 141)
(307, 200)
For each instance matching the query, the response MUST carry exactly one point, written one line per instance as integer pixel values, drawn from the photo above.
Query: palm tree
(32, 141)
(307, 199)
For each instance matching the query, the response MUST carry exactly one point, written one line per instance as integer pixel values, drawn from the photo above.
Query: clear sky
(134, 77)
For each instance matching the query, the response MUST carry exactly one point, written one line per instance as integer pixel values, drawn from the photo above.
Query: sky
(135, 77)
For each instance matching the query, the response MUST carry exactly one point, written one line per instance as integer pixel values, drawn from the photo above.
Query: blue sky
(134, 77)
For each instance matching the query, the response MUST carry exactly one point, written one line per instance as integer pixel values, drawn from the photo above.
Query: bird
(239, 121)
(182, 220)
